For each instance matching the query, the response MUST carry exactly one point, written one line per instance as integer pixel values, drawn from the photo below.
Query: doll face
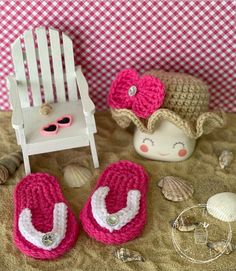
(167, 143)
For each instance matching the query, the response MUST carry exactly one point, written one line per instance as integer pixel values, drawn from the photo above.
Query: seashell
(127, 255)
(45, 109)
(76, 176)
(184, 224)
(4, 174)
(175, 189)
(187, 228)
(223, 206)
(9, 164)
(225, 159)
(222, 247)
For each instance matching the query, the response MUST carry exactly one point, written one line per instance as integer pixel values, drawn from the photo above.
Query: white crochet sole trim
(35, 237)
(124, 215)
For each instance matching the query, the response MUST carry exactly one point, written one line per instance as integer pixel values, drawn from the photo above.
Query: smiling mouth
(163, 154)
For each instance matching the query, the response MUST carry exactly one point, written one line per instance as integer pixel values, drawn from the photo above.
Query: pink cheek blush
(182, 152)
(144, 148)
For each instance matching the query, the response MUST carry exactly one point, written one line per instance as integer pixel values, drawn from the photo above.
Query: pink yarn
(120, 177)
(39, 192)
(148, 98)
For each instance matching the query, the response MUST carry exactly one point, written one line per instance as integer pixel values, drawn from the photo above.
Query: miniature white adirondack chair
(35, 57)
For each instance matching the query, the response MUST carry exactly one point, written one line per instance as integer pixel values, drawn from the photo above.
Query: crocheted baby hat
(185, 105)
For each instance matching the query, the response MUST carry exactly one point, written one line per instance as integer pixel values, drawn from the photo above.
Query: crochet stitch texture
(143, 95)
(124, 215)
(120, 177)
(185, 105)
(40, 193)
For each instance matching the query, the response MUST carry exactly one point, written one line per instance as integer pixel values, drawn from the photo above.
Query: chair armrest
(17, 115)
(88, 105)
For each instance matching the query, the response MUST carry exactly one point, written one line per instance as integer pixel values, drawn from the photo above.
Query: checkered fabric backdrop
(197, 37)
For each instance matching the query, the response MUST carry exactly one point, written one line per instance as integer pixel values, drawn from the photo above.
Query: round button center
(132, 91)
(112, 220)
(48, 239)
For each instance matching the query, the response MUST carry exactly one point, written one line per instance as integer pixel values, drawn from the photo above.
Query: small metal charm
(112, 220)
(132, 91)
(48, 239)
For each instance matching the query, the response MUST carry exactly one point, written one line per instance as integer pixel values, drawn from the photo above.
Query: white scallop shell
(175, 189)
(76, 176)
(223, 206)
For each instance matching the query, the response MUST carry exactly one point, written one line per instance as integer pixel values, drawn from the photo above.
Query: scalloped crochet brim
(204, 124)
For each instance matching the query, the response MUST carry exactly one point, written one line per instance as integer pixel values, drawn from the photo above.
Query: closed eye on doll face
(150, 141)
(179, 144)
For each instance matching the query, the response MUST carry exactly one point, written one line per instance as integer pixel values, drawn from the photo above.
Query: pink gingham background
(197, 37)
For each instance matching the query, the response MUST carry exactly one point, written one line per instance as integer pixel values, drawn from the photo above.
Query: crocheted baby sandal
(44, 225)
(116, 210)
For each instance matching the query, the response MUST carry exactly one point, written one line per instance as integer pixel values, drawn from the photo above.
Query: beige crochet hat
(185, 105)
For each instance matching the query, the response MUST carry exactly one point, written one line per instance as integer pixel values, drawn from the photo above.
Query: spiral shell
(222, 247)
(45, 109)
(9, 164)
(127, 255)
(76, 176)
(225, 159)
(175, 189)
(4, 174)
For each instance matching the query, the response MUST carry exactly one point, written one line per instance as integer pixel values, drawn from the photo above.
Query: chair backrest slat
(44, 64)
(32, 67)
(49, 49)
(70, 67)
(43, 52)
(18, 62)
(57, 64)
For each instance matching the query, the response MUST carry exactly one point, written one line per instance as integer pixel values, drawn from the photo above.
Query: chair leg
(26, 163)
(93, 151)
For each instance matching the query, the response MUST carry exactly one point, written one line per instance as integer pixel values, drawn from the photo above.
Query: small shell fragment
(222, 247)
(225, 159)
(187, 228)
(184, 224)
(175, 189)
(45, 109)
(127, 255)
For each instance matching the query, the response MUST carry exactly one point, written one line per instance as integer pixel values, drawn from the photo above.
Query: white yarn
(125, 215)
(34, 236)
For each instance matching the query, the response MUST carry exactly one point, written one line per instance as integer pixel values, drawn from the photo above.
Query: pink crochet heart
(143, 95)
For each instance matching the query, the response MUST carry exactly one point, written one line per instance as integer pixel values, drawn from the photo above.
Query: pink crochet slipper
(116, 210)
(44, 225)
